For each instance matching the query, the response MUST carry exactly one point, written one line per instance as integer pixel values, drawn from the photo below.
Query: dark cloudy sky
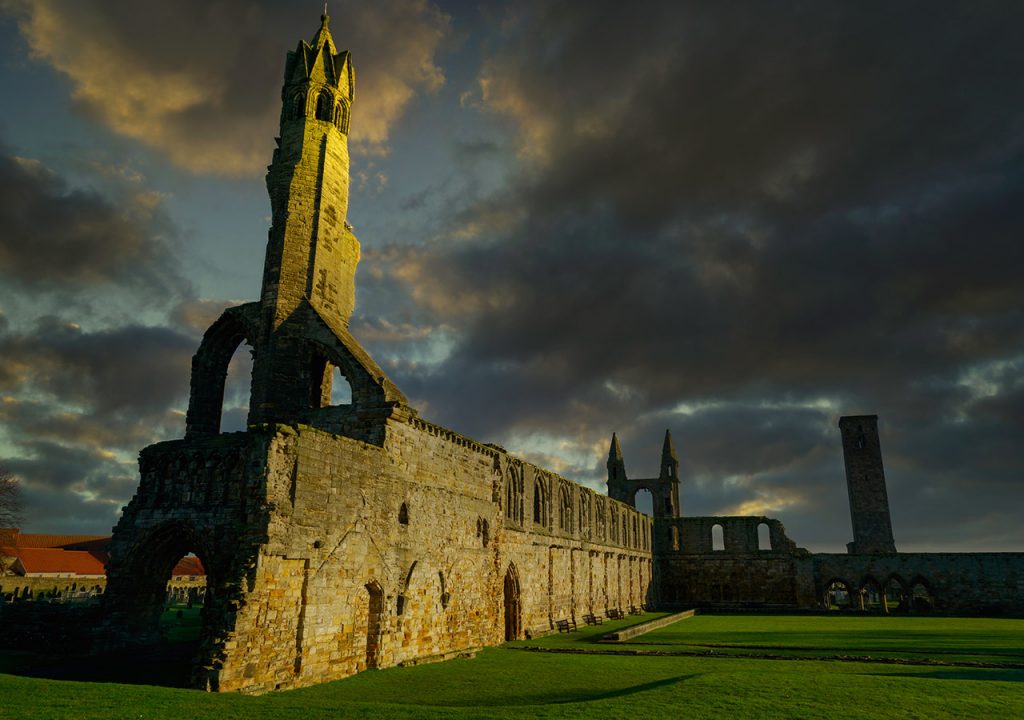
(735, 220)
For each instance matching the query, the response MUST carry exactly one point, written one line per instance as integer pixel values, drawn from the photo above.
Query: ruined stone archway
(921, 597)
(136, 597)
(513, 609)
(895, 590)
(839, 595)
(872, 597)
(210, 367)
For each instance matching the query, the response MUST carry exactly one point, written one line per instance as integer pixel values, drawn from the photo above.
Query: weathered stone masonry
(338, 538)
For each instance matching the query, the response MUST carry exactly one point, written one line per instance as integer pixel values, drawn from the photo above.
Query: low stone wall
(37, 587)
(631, 632)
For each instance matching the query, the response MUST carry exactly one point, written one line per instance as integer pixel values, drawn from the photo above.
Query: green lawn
(507, 683)
(916, 638)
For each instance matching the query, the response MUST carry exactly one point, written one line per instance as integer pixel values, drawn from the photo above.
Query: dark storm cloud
(60, 238)
(76, 406)
(70, 489)
(808, 205)
(122, 370)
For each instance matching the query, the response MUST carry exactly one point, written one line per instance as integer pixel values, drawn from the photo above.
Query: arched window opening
(764, 537)
(565, 509)
(540, 503)
(643, 501)
(717, 538)
(298, 107)
(341, 389)
(324, 106)
(584, 516)
(485, 532)
(514, 494)
(838, 596)
(234, 409)
(403, 514)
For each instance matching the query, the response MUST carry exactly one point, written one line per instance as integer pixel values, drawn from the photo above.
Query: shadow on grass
(986, 674)
(569, 697)
(167, 665)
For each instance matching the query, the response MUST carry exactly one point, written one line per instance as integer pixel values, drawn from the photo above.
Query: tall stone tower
(668, 481)
(311, 259)
(865, 481)
(311, 252)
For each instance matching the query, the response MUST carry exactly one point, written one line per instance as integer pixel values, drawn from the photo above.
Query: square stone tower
(865, 481)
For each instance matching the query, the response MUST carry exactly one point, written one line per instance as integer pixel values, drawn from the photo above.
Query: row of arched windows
(325, 109)
(589, 520)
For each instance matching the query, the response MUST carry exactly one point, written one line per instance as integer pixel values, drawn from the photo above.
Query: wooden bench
(615, 614)
(566, 626)
(591, 619)
(634, 610)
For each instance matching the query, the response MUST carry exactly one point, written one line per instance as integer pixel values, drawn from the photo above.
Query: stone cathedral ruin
(338, 538)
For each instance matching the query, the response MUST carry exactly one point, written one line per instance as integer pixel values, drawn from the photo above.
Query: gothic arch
(210, 368)
(514, 493)
(540, 502)
(297, 110)
(137, 580)
(374, 622)
(565, 519)
(325, 106)
(512, 604)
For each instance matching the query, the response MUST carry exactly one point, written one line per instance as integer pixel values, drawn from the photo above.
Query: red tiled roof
(78, 554)
(56, 560)
(189, 565)
(67, 542)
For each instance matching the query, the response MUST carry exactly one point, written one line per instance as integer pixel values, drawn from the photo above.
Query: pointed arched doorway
(373, 619)
(513, 611)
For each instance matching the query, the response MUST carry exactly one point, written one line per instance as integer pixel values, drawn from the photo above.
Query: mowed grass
(947, 639)
(509, 683)
(911, 638)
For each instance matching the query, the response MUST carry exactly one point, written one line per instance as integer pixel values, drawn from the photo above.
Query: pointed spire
(323, 35)
(668, 452)
(615, 452)
(616, 469)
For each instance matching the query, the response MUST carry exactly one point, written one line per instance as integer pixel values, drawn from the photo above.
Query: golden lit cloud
(771, 502)
(205, 91)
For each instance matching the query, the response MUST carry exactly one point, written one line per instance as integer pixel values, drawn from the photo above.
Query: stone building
(343, 537)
